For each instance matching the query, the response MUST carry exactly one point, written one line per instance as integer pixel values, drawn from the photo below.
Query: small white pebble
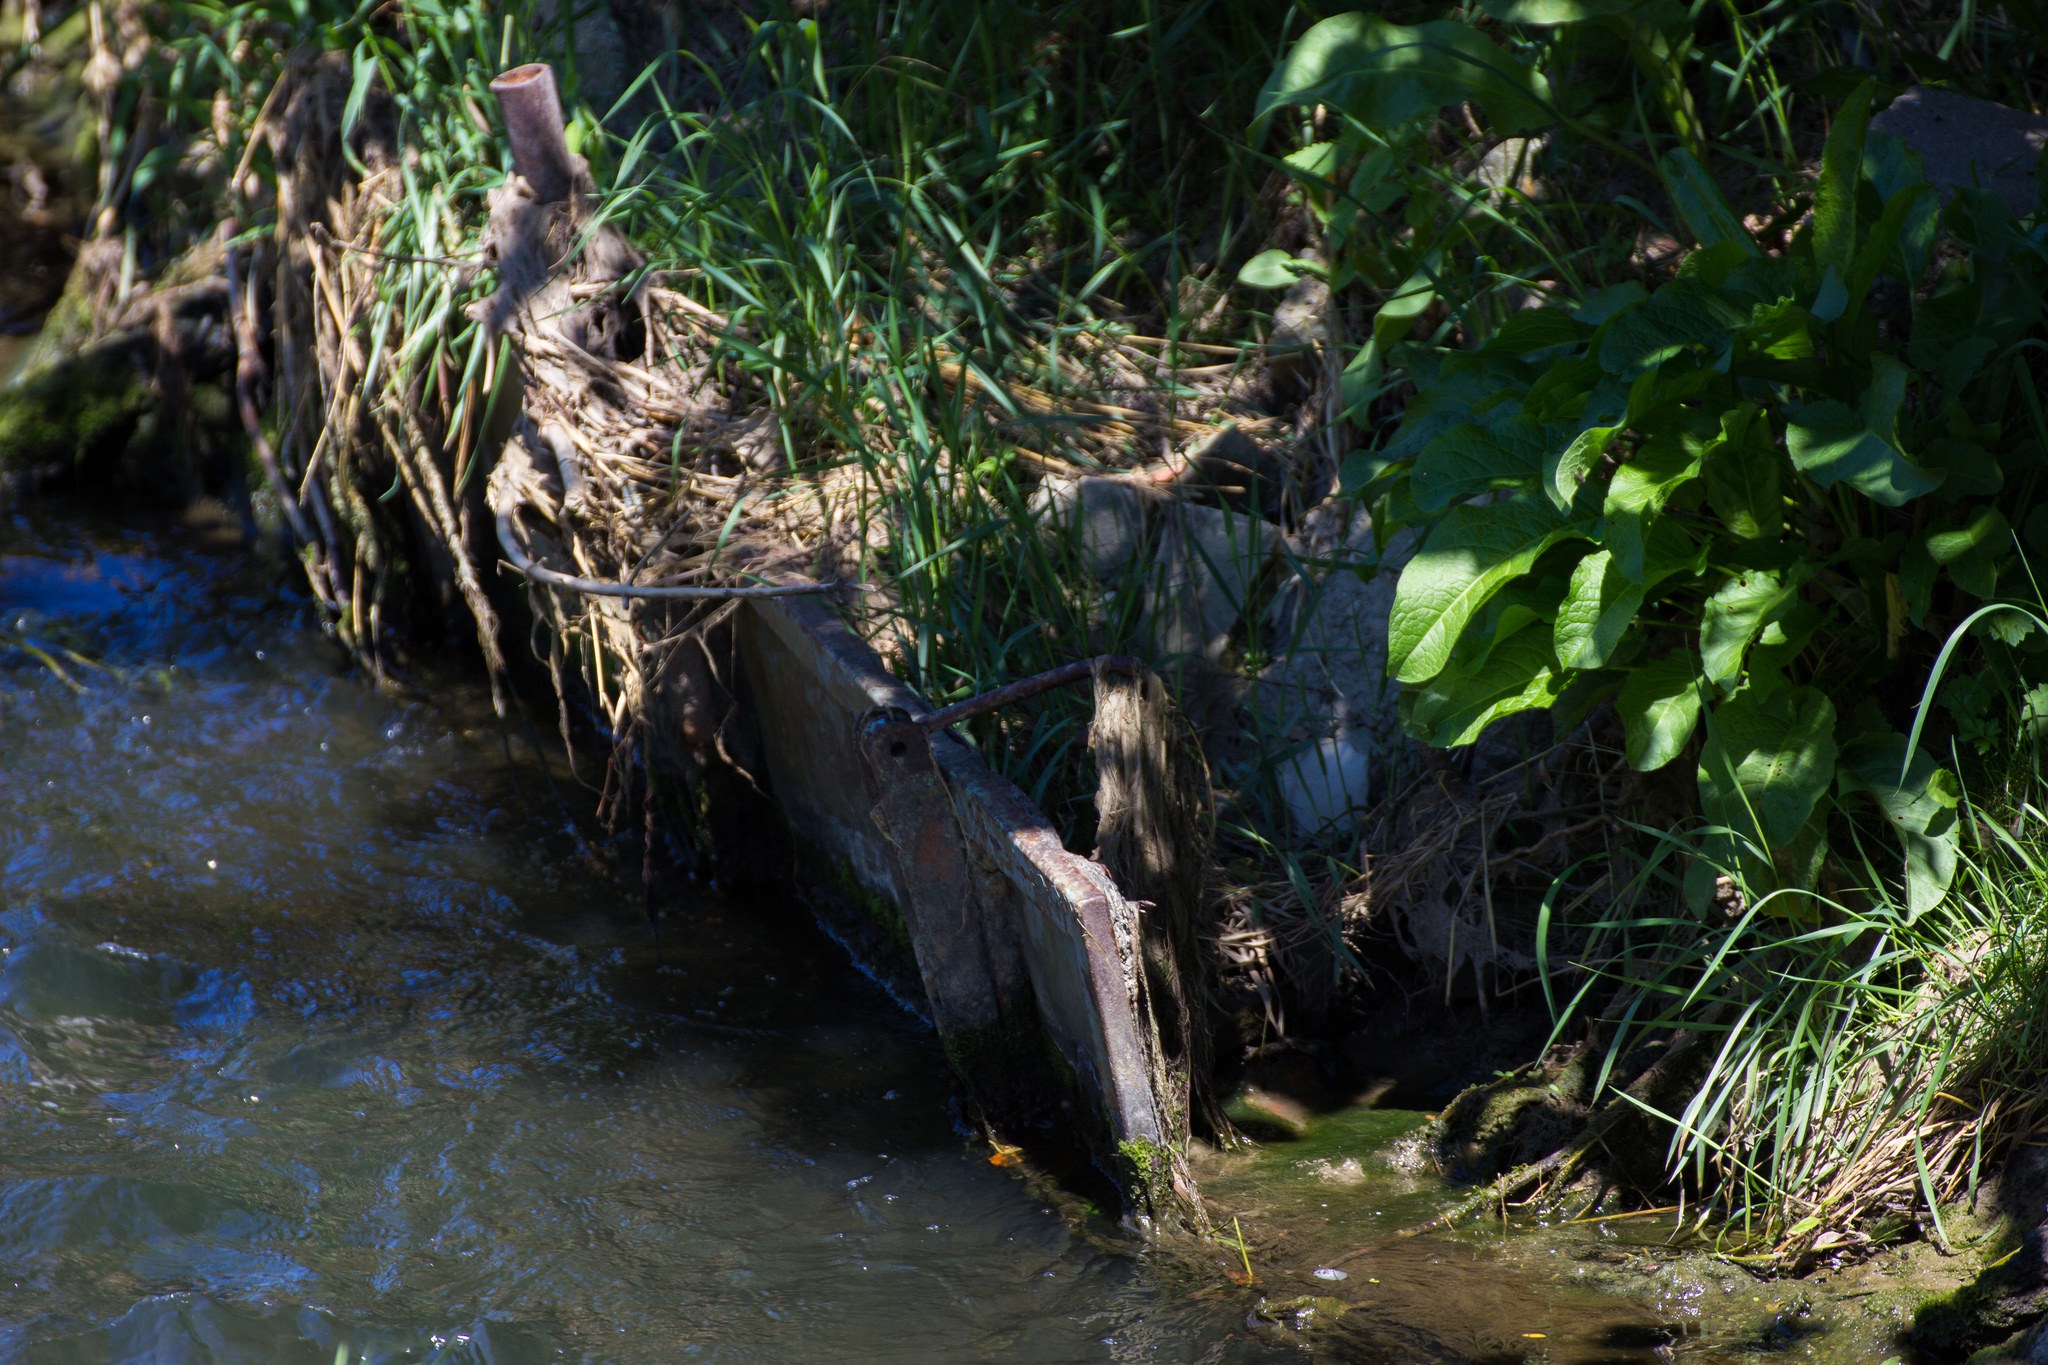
(1331, 1273)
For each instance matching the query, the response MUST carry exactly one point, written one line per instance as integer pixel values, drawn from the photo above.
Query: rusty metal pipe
(1028, 687)
(533, 120)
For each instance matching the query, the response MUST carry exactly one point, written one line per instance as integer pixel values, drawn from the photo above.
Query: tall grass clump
(1857, 1066)
(914, 217)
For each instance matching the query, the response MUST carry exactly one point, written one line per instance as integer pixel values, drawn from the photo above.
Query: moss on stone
(73, 413)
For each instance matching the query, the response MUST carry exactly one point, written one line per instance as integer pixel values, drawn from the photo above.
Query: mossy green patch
(875, 906)
(73, 413)
(1148, 1173)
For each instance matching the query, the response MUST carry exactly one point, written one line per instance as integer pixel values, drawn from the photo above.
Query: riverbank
(1049, 405)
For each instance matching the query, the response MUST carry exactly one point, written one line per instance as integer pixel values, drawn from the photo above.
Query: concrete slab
(1965, 141)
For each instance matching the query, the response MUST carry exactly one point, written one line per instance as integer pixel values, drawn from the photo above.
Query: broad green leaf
(1892, 167)
(1780, 642)
(1968, 470)
(1550, 13)
(1536, 329)
(1574, 388)
(1530, 598)
(1584, 689)
(1272, 269)
(1575, 460)
(1877, 249)
(1472, 554)
(1650, 391)
(1920, 807)
(1462, 386)
(1950, 338)
(1970, 554)
(1451, 710)
(1597, 611)
(1317, 161)
(1683, 313)
(1641, 487)
(1778, 346)
(1603, 304)
(1834, 199)
(1396, 316)
(1659, 706)
(1670, 549)
(1831, 443)
(1767, 761)
(1700, 202)
(1741, 607)
(1743, 477)
(1715, 265)
(1385, 75)
(1470, 459)
(1831, 300)
(2034, 711)
(1758, 281)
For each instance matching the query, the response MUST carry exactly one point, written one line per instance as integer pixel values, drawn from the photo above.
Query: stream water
(324, 1039)
(321, 1040)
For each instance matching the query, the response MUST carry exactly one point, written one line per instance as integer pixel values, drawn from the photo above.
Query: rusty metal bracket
(969, 961)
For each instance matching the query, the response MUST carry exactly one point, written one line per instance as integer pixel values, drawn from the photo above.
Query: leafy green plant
(1743, 501)
(1735, 503)
(1730, 504)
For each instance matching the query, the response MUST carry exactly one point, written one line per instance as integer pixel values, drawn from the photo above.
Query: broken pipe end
(533, 120)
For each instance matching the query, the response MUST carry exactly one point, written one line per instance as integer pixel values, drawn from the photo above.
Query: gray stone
(1301, 329)
(1330, 673)
(1208, 564)
(1511, 164)
(1103, 521)
(1327, 781)
(2026, 1348)
(1236, 469)
(1195, 566)
(1964, 141)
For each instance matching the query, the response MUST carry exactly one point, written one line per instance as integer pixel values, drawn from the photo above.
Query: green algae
(1545, 1282)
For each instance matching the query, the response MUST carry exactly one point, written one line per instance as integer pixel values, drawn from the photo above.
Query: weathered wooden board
(1010, 929)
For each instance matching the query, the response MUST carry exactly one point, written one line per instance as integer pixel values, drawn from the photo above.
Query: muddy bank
(1321, 1212)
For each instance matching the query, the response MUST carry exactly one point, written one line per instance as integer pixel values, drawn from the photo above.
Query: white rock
(1326, 781)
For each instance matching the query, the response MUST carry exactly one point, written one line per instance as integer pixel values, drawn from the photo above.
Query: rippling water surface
(322, 1040)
